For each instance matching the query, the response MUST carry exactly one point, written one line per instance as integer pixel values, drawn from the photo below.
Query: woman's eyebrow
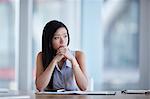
(57, 34)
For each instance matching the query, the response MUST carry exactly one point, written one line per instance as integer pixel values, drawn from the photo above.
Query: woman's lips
(62, 46)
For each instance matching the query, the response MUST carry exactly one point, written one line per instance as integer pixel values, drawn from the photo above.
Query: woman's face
(60, 38)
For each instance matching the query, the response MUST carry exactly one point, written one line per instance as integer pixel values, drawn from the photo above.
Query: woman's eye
(56, 38)
(65, 36)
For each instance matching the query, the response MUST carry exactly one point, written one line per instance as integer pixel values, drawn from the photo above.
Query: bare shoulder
(79, 54)
(39, 59)
(39, 54)
(39, 64)
(80, 57)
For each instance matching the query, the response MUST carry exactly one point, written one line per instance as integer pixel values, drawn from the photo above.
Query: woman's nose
(61, 40)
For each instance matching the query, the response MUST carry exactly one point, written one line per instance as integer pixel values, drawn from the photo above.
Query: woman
(57, 67)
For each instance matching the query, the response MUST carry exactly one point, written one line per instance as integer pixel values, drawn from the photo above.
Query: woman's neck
(60, 64)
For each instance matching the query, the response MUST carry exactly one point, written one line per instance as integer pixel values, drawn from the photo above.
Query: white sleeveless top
(64, 78)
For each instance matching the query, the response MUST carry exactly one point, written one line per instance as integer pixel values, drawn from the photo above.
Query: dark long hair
(48, 32)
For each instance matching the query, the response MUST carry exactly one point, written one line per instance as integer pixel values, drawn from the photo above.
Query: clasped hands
(63, 52)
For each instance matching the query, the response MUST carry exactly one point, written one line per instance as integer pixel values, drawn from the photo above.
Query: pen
(135, 92)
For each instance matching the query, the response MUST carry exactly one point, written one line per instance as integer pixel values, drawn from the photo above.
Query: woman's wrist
(73, 60)
(54, 61)
(74, 63)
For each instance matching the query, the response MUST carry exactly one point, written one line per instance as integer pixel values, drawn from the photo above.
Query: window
(121, 44)
(111, 41)
(7, 44)
(44, 11)
(108, 31)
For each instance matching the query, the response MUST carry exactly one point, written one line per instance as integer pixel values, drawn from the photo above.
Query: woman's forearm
(81, 78)
(43, 80)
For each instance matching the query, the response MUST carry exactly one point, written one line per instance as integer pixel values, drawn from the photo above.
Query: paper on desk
(96, 92)
(80, 93)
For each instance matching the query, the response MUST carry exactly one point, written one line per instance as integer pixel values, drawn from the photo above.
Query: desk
(92, 97)
(117, 96)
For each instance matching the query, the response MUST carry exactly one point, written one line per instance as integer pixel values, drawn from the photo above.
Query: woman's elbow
(39, 88)
(84, 88)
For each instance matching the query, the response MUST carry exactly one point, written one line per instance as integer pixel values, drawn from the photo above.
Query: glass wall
(7, 44)
(107, 31)
(121, 44)
(110, 38)
(44, 11)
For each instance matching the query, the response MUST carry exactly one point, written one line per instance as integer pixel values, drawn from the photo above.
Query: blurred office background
(114, 34)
